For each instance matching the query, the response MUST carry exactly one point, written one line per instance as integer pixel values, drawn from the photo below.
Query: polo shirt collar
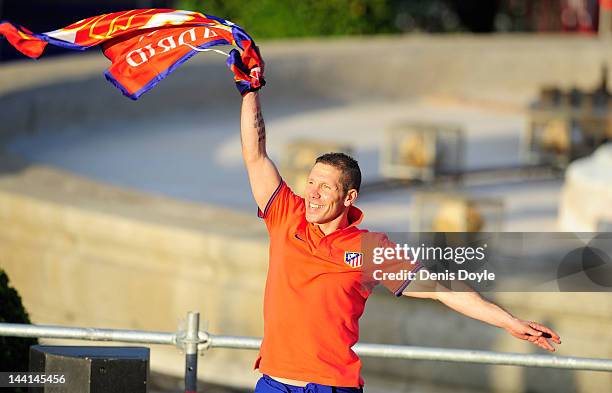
(355, 216)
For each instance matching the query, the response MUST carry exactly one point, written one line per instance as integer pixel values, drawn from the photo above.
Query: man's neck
(339, 222)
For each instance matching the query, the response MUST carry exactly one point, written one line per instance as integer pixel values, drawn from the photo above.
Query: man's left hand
(533, 332)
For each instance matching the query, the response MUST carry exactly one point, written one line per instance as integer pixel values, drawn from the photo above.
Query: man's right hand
(248, 75)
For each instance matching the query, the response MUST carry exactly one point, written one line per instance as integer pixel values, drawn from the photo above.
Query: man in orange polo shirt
(315, 289)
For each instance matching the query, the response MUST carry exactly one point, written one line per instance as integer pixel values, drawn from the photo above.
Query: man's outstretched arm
(263, 175)
(465, 301)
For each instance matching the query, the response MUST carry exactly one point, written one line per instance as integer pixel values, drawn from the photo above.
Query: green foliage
(14, 351)
(310, 18)
(301, 18)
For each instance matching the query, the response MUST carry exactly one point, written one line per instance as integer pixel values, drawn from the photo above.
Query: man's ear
(350, 197)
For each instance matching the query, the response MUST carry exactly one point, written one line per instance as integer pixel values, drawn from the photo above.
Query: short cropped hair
(351, 174)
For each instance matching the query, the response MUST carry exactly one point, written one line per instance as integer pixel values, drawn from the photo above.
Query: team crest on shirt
(353, 259)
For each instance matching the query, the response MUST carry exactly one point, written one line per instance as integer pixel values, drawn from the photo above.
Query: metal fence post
(191, 352)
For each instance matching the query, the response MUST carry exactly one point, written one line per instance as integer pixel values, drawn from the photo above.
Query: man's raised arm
(263, 175)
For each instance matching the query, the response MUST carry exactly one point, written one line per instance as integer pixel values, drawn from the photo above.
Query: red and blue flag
(146, 45)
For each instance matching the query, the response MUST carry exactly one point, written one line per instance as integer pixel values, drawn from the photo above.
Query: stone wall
(86, 254)
(489, 70)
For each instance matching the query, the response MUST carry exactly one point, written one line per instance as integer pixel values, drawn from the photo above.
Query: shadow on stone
(163, 383)
(538, 380)
(11, 164)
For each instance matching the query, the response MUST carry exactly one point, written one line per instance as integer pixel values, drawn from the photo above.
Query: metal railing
(193, 341)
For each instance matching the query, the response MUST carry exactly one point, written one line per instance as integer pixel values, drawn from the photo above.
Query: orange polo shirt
(315, 294)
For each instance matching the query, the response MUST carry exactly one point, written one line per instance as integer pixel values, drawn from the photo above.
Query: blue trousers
(269, 385)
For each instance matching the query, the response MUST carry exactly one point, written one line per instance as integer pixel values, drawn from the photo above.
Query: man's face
(324, 196)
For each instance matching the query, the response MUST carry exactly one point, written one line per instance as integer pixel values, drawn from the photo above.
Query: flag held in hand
(146, 45)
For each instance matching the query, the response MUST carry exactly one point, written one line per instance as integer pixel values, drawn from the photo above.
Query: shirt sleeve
(283, 204)
(385, 265)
